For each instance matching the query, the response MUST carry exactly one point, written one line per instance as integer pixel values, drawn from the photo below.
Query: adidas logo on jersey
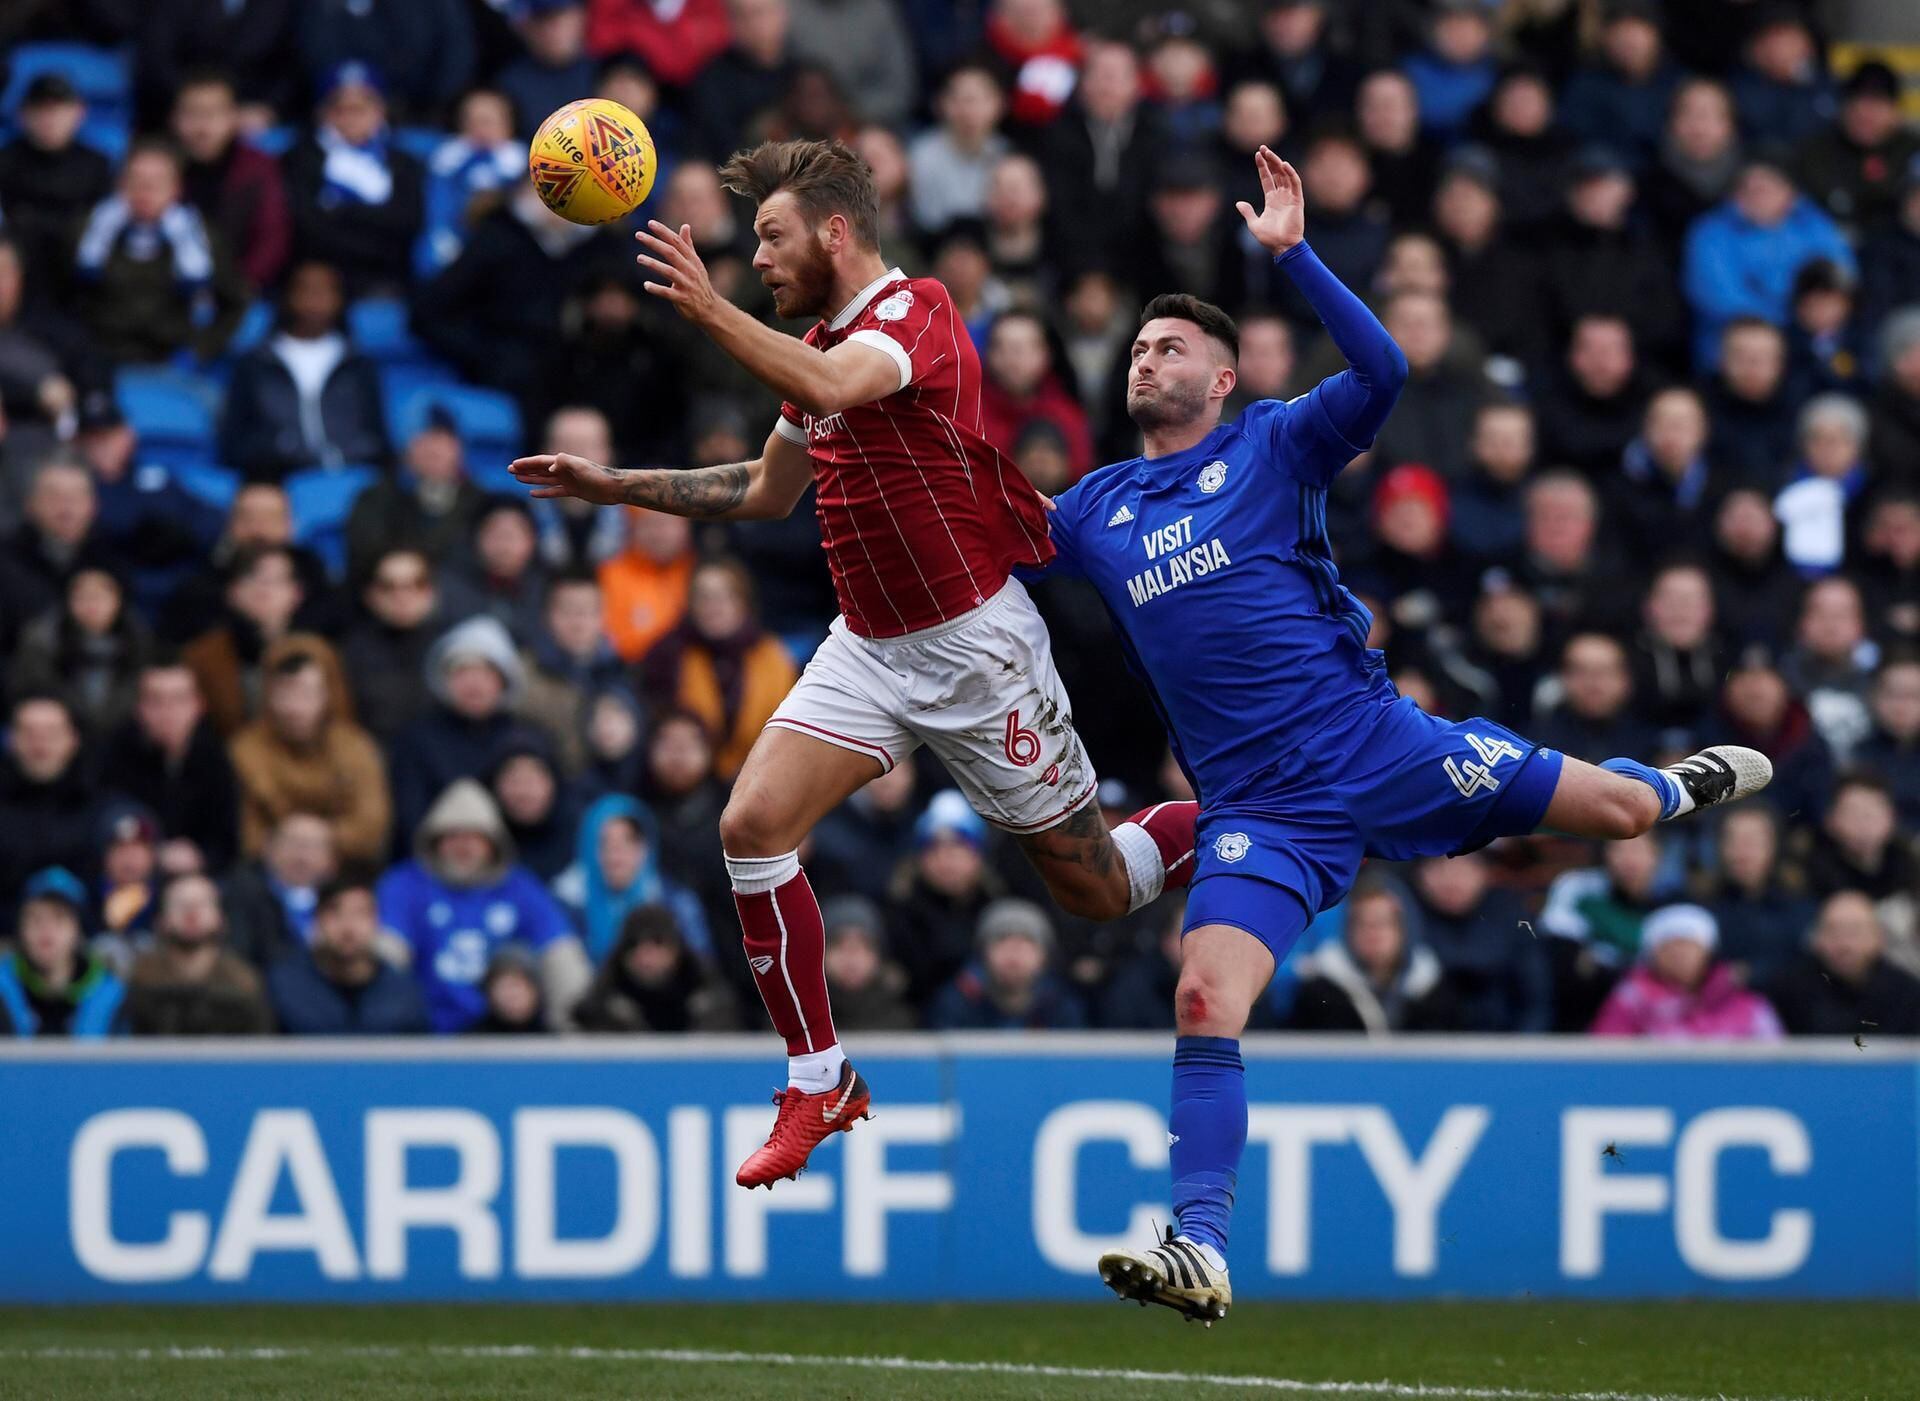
(1121, 516)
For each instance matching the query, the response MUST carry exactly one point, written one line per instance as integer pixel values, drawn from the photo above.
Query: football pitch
(1523, 1351)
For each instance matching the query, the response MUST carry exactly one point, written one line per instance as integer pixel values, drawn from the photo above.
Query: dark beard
(812, 285)
(1171, 409)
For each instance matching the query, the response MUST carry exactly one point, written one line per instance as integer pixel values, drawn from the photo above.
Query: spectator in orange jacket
(720, 665)
(644, 587)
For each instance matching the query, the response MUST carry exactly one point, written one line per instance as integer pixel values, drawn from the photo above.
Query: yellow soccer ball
(592, 161)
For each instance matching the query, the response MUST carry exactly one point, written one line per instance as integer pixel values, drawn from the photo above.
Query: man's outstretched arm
(766, 488)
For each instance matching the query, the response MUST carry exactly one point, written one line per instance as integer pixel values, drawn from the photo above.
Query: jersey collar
(862, 297)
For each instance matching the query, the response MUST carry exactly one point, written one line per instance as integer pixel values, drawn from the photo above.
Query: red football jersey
(921, 517)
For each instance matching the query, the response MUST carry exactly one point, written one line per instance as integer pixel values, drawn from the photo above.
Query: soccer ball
(592, 161)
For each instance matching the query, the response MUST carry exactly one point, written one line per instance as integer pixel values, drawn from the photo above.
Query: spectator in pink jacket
(1678, 993)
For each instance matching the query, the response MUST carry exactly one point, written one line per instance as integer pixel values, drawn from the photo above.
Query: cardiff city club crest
(1213, 476)
(1231, 846)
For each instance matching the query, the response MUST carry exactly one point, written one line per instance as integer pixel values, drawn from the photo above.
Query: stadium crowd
(315, 723)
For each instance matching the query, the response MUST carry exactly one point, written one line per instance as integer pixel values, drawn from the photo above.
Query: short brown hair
(824, 177)
(1181, 306)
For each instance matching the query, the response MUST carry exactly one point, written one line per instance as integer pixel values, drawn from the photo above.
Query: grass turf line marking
(1414, 1391)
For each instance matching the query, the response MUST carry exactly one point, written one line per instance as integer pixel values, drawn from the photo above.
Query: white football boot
(1175, 1273)
(1724, 773)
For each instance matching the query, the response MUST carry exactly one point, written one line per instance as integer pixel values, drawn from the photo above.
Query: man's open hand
(672, 257)
(1283, 221)
(553, 474)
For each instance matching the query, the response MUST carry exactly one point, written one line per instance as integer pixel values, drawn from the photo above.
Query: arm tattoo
(1082, 840)
(699, 491)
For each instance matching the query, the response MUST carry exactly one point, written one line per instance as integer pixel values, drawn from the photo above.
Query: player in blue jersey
(1211, 552)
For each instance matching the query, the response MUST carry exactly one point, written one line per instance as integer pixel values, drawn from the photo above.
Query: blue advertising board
(995, 1167)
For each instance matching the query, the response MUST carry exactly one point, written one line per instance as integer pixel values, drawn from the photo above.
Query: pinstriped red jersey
(921, 517)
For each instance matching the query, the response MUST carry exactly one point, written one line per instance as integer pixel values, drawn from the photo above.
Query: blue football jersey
(1217, 569)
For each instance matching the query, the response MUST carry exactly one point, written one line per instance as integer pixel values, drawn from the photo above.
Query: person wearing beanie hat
(476, 678)
(1009, 987)
(1890, 265)
(869, 988)
(1855, 166)
(938, 894)
(1677, 992)
(50, 985)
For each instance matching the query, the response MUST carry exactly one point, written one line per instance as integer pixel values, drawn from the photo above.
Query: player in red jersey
(923, 522)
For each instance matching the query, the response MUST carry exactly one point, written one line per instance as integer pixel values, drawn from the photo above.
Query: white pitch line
(1401, 1391)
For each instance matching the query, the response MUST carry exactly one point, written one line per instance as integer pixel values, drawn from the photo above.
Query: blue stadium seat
(320, 500)
(420, 142)
(168, 408)
(104, 77)
(489, 426)
(378, 328)
(215, 485)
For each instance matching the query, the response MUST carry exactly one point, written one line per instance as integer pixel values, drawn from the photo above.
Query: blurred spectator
(1520, 127)
(1679, 657)
(1742, 255)
(1759, 710)
(237, 189)
(1895, 432)
(304, 397)
(152, 279)
(47, 799)
(886, 157)
(339, 985)
(476, 680)
(674, 41)
(858, 846)
(1493, 959)
(50, 985)
(470, 172)
(1008, 987)
(720, 665)
(1022, 387)
(263, 593)
(516, 1001)
(949, 163)
(177, 39)
(1783, 91)
(154, 527)
(1349, 232)
(1624, 96)
(1378, 977)
(554, 68)
(1890, 258)
(1184, 82)
(426, 47)
(1676, 992)
(936, 898)
(1492, 280)
(1831, 664)
(569, 662)
(736, 91)
(46, 363)
(1455, 73)
(127, 848)
(188, 984)
(430, 505)
(1844, 985)
(1414, 569)
(1190, 232)
(1699, 158)
(867, 987)
(1830, 477)
(1892, 747)
(499, 576)
(685, 799)
(1592, 408)
(1506, 648)
(1565, 561)
(461, 899)
(651, 981)
(611, 340)
(1035, 41)
(357, 199)
(1595, 718)
(53, 541)
(1487, 519)
(1823, 349)
(1296, 51)
(49, 180)
(1602, 260)
(1888, 566)
(305, 754)
(616, 869)
(259, 518)
(574, 534)
(90, 648)
(1667, 485)
(1103, 151)
(168, 758)
(1751, 407)
(1434, 417)
(1594, 916)
(270, 900)
(1140, 995)
(1097, 327)
(537, 808)
(1758, 898)
(865, 46)
(644, 587)
(384, 655)
(1860, 845)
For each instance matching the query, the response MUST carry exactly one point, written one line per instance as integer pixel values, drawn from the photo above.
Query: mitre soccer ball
(592, 161)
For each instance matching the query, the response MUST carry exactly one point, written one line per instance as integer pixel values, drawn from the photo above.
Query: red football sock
(786, 946)
(1171, 827)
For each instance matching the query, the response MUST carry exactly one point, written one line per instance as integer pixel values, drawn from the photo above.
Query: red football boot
(804, 1120)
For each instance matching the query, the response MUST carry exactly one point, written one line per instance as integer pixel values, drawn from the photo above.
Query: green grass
(1859, 1352)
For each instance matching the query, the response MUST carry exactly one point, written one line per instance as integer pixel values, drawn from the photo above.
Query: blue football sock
(1666, 789)
(1209, 1129)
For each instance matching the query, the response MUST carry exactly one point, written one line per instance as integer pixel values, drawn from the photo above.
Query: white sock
(1146, 872)
(1207, 1252)
(1686, 804)
(755, 875)
(817, 1071)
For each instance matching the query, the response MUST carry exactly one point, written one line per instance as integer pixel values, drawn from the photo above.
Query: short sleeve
(791, 425)
(1063, 529)
(898, 326)
(1298, 438)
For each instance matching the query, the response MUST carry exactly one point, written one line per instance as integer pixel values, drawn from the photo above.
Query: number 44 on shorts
(1474, 776)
